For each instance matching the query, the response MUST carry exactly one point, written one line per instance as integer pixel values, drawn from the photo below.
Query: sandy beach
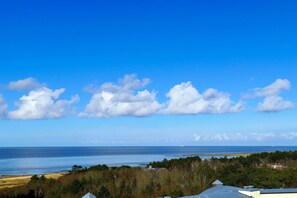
(14, 181)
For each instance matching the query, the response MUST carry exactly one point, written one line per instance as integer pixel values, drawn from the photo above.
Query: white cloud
(185, 99)
(25, 84)
(272, 102)
(42, 103)
(197, 137)
(274, 89)
(247, 137)
(290, 136)
(223, 137)
(3, 107)
(122, 99)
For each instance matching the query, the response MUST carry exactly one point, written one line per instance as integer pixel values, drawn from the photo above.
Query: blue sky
(113, 73)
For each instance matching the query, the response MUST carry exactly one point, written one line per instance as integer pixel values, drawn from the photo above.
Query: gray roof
(217, 182)
(221, 192)
(278, 190)
(89, 195)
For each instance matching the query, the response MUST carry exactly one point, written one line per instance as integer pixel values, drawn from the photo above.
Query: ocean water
(40, 160)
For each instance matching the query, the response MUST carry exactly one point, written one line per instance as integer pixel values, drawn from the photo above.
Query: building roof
(278, 190)
(233, 192)
(221, 192)
(217, 182)
(89, 195)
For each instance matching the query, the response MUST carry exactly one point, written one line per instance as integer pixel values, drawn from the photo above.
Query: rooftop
(278, 190)
(217, 182)
(220, 191)
(89, 195)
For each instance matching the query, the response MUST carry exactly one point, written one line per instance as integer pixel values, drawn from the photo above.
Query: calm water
(38, 160)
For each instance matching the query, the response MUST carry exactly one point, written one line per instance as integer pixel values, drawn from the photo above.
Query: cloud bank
(246, 137)
(130, 97)
(126, 99)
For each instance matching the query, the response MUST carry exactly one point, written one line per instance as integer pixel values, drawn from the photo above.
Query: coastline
(11, 181)
(226, 154)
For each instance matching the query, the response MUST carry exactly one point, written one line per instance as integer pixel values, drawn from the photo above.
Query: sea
(42, 160)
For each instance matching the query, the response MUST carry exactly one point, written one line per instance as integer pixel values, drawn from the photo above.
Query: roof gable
(217, 182)
(89, 195)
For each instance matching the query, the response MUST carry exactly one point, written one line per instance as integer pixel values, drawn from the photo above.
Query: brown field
(14, 181)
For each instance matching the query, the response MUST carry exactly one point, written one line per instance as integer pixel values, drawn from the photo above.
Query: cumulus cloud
(122, 99)
(272, 102)
(274, 89)
(25, 84)
(42, 103)
(185, 99)
(3, 107)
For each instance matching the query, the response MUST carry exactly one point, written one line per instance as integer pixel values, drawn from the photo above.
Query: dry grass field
(13, 181)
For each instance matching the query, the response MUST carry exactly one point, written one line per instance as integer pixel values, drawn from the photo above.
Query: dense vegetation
(177, 177)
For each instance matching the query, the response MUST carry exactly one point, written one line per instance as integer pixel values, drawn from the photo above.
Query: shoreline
(226, 154)
(11, 181)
